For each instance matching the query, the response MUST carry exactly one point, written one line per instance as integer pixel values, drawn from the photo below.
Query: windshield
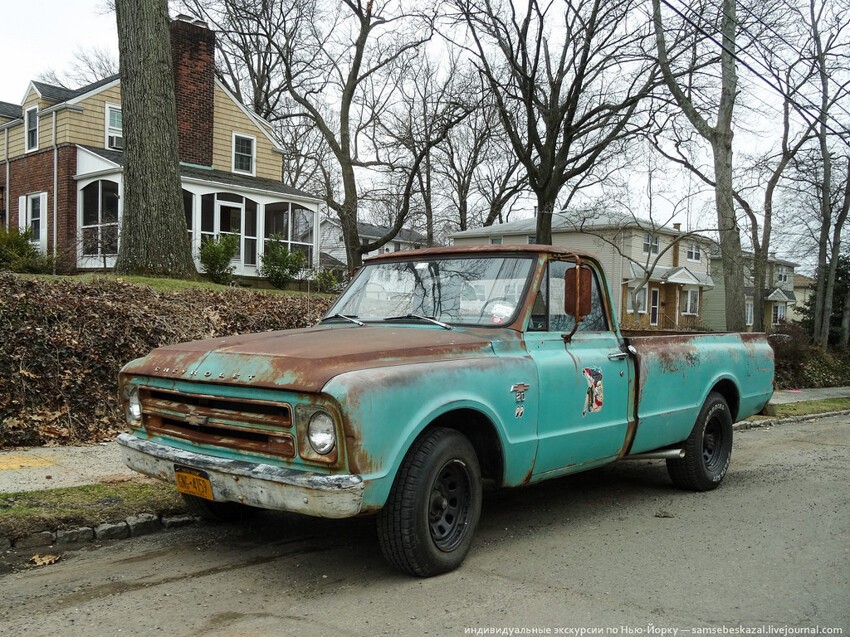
(460, 291)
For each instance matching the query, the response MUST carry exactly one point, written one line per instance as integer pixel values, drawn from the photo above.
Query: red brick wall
(193, 54)
(33, 173)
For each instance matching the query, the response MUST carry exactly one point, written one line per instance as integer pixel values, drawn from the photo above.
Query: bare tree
(718, 135)
(154, 240)
(88, 66)
(566, 82)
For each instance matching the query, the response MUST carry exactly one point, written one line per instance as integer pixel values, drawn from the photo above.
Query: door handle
(617, 356)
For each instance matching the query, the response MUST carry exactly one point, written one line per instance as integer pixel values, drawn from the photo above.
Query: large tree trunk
(545, 210)
(154, 240)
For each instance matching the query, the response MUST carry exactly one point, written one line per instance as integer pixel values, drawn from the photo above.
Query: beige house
(778, 298)
(658, 274)
(61, 166)
(802, 291)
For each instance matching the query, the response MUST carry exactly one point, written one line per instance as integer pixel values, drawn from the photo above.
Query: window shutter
(22, 213)
(42, 240)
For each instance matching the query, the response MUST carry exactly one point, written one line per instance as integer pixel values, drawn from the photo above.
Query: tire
(427, 524)
(218, 511)
(708, 450)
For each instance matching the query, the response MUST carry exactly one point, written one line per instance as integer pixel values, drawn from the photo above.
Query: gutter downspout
(8, 188)
(55, 192)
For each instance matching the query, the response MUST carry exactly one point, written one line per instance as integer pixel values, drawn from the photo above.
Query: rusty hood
(306, 359)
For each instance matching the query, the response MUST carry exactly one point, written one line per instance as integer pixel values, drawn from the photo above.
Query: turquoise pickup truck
(437, 371)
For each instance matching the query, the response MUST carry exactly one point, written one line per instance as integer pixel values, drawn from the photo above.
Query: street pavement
(54, 467)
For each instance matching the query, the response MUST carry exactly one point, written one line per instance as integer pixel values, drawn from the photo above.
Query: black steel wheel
(218, 511)
(427, 524)
(708, 450)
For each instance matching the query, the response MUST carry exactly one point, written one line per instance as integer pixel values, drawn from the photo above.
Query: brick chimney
(193, 55)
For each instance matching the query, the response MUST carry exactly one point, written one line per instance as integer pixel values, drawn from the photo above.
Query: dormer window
(244, 154)
(32, 129)
(114, 128)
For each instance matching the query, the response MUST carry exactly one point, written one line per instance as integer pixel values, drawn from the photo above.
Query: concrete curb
(133, 526)
(771, 422)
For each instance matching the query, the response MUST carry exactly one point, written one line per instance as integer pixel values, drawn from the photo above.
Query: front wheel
(708, 450)
(426, 527)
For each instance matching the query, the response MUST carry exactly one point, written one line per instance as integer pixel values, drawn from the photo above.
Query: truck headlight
(134, 406)
(321, 433)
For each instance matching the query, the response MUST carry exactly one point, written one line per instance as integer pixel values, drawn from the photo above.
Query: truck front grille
(250, 425)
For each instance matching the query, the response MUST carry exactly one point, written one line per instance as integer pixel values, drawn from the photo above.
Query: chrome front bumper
(258, 485)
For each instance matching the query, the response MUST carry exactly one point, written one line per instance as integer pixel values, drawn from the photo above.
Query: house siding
(89, 127)
(229, 118)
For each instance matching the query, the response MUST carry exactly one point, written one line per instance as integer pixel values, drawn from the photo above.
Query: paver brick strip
(72, 536)
(44, 538)
(112, 531)
(143, 523)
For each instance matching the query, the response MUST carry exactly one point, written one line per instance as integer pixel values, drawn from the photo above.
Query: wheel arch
(482, 433)
(727, 388)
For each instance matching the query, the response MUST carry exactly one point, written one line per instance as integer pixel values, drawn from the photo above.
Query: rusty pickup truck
(435, 372)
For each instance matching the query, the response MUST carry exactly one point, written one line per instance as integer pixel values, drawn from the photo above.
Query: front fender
(385, 409)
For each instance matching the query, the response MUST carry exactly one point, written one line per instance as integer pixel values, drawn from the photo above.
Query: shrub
(278, 264)
(216, 256)
(18, 254)
(326, 281)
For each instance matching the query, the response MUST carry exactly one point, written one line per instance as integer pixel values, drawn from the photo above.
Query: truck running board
(660, 454)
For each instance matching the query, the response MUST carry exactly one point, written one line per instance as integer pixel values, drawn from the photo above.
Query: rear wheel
(218, 511)
(426, 527)
(708, 450)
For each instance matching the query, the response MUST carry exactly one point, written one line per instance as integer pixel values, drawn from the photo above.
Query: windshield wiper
(352, 319)
(420, 317)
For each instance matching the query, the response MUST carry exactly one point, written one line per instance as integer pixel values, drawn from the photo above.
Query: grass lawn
(166, 285)
(27, 512)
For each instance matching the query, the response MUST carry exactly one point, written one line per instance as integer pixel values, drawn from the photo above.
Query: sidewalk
(54, 467)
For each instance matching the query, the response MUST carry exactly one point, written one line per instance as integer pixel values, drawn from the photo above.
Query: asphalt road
(617, 549)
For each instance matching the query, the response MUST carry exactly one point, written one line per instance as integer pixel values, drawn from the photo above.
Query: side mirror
(578, 283)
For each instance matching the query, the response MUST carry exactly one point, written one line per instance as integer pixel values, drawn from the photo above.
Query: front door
(583, 384)
(653, 306)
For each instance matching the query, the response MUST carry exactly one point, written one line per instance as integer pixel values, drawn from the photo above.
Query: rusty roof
(486, 249)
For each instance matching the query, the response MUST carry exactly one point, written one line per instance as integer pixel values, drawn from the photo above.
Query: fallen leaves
(44, 560)
(64, 341)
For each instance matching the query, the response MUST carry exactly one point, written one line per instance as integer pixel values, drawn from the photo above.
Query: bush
(18, 254)
(216, 256)
(64, 341)
(278, 264)
(326, 281)
(801, 364)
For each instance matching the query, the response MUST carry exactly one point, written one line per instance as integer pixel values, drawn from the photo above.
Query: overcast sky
(36, 35)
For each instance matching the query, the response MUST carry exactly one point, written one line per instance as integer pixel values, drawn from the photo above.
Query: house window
(641, 300)
(495, 241)
(690, 302)
(243, 154)
(114, 128)
(32, 129)
(748, 312)
(650, 243)
(100, 219)
(32, 216)
(693, 251)
(778, 313)
(531, 239)
(226, 213)
(782, 274)
(294, 226)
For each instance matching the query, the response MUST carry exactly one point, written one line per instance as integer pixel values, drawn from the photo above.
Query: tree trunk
(154, 240)
(545, 210)
(730, 238)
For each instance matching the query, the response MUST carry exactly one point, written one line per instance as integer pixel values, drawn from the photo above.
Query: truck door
(584, 383)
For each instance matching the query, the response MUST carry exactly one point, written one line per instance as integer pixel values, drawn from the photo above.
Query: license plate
(193, 482)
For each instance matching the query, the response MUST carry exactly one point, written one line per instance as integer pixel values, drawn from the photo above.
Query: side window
(548, 311)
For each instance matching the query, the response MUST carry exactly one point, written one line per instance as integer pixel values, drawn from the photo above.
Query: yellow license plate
(193, 482)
